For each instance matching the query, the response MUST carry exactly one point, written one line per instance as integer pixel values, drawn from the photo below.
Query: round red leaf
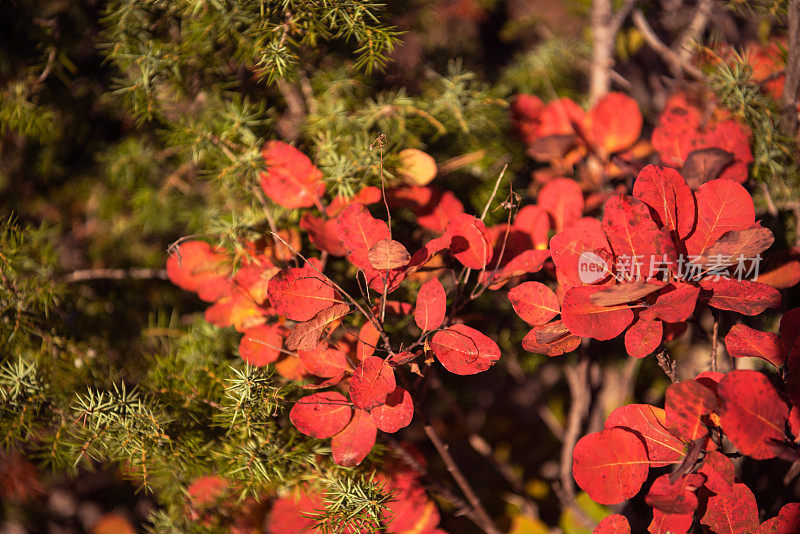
(372, 381)
(321, 415)
(462, 350)
(610, 465)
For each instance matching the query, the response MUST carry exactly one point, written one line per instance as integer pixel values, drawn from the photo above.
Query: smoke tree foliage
(275, 267)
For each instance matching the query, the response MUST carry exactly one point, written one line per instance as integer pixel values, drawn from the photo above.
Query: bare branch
(666, 53)
(85, 275)
(578, 381)
(792, 84)
(443, 450)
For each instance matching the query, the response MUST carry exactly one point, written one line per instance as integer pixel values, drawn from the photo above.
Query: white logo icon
(591, 268)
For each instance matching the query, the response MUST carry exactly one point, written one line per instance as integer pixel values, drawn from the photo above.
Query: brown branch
(667, 54)
(693, 31)
(714, 342)
(482, 447)
(462, 508)
(792, 84)
(288, 126)
(605, 25)
(485, 522)
(139, 273)
(668, 365)
(580, 393)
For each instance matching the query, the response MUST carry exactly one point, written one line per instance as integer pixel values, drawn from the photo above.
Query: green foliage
(775, 153)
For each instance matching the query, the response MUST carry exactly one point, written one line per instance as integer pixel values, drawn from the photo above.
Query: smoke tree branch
(792, 84)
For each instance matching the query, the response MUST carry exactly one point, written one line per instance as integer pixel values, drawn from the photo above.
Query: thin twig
(494, 192)
(472, 498)
(138, 273)
(667, 364)
(482, 447)
(771, 207)
(578, 381)
(666, 53)
(462, 507)
(791, 86)
(693, 31)
(714, 342)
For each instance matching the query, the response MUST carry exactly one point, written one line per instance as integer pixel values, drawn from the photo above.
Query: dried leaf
(306, 336)
(388, 254)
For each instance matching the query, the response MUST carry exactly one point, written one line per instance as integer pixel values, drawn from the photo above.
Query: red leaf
(643, 337)
(526, 113)
(635, 237)
(442, 208)
(782, 269)
(584, 319)
(261, 344)
(396, 413)
(668, 195)
(561, 116)
(352, 445)
(292, 514)
(743, 342)
(535, 221)
(462, 350)
(670, 523)
(321, 415)
(470, 242)
(551, 339)
(722, 205)
(615, 122)
(323, 233)
(732, 512)
(719, 471)
(563, 200)
(787, 521)
(687, 404)
(359, 232)
(752, 413)
(368, 338)
(299, 293)
(741, 296)
(530, 261)
(610, 465)
(677, 128)
(732, 137)
(372, 382)
(368, 195)
(431, 305)
(324, 362)
(194, 266)
(534, 302)
(675, 497)
(649, 422)
(675, 304)
(585, 235)
(291, 179)
(613, 524)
